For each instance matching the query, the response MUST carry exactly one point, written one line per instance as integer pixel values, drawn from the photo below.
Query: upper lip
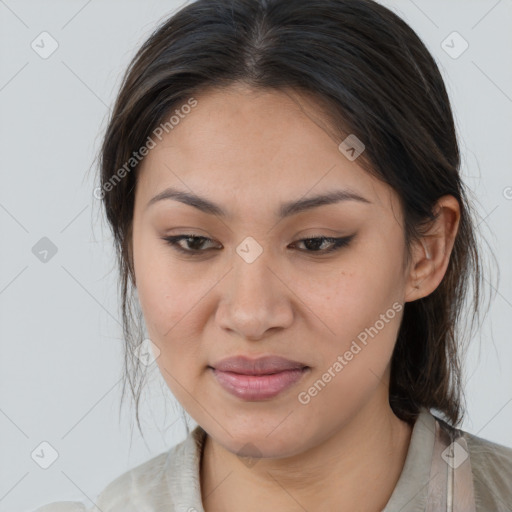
(260, 366)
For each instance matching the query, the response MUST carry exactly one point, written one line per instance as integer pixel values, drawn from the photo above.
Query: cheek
(354, 363)
(378, 280)
(161, 285)
(349, 300)
(152, 286)
(168, 305)
(361, 306)
(171, 310)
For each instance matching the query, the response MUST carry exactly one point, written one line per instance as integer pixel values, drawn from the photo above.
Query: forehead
(247, 146)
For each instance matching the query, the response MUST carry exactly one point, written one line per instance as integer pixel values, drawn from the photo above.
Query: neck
(355, 468)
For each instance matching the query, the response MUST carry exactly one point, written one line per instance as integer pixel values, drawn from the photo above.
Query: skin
(249, 151)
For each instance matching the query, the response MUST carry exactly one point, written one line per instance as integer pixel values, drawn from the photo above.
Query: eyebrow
(286, 209)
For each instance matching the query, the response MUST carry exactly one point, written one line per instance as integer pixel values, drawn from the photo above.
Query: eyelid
(338, 243)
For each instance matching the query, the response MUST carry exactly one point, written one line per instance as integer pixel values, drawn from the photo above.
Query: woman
(282, 181)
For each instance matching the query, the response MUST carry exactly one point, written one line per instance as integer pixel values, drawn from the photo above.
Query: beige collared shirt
(446, 470)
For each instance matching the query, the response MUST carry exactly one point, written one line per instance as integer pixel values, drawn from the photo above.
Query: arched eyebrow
(286, 209)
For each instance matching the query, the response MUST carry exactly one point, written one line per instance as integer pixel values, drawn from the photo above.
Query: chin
(261, 441)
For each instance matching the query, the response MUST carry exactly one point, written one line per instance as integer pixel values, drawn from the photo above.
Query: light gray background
(60, 330)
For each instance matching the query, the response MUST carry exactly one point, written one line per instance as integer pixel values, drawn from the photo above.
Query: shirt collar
(410, 492)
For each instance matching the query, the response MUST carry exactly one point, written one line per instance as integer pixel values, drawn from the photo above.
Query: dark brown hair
(371, 76)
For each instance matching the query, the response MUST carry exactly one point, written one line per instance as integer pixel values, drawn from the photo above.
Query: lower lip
(258, 387)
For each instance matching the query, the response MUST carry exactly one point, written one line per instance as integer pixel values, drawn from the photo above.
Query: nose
(256, 298)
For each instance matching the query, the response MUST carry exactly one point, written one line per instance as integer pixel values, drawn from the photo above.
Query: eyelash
(338, 243)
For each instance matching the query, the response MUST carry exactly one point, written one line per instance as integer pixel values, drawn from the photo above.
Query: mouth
(257, 379)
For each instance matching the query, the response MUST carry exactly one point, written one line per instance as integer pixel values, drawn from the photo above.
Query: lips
(257, 379)
(261, 366)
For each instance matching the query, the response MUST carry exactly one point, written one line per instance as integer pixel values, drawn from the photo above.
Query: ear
(431, 254)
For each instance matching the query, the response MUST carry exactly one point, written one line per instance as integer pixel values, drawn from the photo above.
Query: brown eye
(315, 244)
(193, 242)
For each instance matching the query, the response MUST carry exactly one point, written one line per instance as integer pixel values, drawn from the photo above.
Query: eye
(194, 244)
(195, 241)
(333, 244)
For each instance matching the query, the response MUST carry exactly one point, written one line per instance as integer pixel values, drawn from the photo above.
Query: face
(322, 286)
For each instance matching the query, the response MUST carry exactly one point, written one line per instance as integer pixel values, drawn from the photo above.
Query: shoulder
(138, 486)
(63, 506)
(143, 483)
(146, 487)
(165, 482)
(491, 464)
